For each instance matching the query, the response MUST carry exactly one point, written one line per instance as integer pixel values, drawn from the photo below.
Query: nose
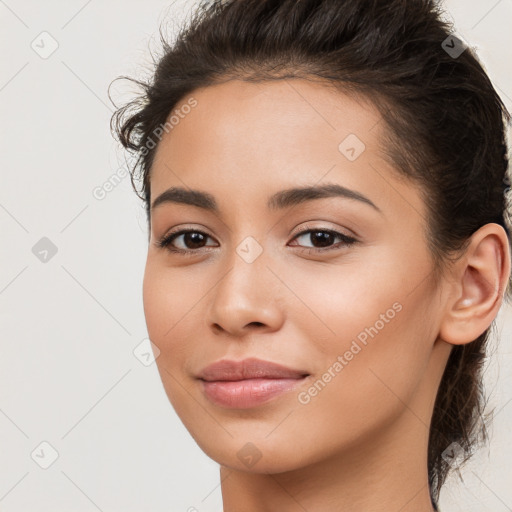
(246, 298)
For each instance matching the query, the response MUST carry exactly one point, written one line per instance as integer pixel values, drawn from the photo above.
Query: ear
(481, 277)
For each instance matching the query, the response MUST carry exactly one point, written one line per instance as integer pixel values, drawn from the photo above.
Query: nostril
(217, 328)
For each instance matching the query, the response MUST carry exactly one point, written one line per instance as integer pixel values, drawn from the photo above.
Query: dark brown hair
(446, 129)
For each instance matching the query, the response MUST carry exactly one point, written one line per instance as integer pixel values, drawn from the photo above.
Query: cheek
(340, 303)
(168, 297)
(168, 300)
(364, 297)
(373, 329)
(170, 305)
(351, 401)
(158, 304)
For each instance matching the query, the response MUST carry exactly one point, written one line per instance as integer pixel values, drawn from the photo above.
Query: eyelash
(165, 241)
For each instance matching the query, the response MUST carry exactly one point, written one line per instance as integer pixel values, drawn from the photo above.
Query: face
(335, 285)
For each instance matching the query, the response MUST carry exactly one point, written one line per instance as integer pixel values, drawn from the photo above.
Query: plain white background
(70, 324)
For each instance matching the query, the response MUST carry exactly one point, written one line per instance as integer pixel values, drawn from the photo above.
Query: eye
(191, 241)
(324, 238)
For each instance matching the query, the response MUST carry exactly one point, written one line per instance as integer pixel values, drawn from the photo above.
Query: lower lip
(244, 394)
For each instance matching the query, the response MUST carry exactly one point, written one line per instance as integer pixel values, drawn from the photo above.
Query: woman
(325, 189)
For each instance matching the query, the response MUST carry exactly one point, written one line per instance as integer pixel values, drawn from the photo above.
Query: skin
(360, 444)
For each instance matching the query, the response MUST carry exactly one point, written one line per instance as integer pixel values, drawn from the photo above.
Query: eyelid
(309, 227)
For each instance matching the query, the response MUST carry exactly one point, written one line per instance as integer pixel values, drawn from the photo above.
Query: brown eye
(188, 240)
(323, 239)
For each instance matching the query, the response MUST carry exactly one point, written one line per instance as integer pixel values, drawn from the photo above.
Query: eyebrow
(278, 201)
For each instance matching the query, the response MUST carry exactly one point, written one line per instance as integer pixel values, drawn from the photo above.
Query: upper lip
(251, 368)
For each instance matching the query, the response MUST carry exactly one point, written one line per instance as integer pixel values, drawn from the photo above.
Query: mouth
(247, 383)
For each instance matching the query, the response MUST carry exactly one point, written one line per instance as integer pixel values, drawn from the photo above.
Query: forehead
(244, 127)
(238, 108)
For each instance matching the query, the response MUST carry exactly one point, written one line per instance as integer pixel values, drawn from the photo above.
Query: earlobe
(481, 277)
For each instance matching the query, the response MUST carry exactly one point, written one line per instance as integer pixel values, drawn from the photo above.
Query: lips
(251, 368)
(248, 383)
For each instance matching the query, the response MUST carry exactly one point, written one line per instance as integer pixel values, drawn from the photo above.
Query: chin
(253, 454)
